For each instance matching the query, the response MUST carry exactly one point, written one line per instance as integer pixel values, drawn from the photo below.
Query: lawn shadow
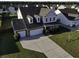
(60, 30)
(7, 43)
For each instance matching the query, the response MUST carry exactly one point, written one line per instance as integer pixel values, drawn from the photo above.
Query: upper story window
(53, 18)
(50, 19)
(46, 19)
(31, 20)
(38, 20)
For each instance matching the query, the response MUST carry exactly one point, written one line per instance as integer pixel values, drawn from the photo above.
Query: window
(53, 18)
(31, 20)
(38, 19)
(50, 19)
(46, 19)
(58, 20)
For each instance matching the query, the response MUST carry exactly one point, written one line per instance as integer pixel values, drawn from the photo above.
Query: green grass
(10, 48)
(69, 41)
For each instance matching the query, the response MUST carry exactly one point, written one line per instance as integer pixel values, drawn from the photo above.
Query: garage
(22, 34)
(36, 32)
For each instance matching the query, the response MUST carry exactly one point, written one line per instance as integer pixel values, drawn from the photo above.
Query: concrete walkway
(46, 46)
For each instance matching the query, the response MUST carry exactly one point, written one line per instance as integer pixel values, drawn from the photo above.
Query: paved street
(46, 46)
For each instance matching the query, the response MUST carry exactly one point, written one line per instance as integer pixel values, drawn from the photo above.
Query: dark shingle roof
(69, 10)
(69, 17)
(18, 24)
(31, 11)
(66, 11)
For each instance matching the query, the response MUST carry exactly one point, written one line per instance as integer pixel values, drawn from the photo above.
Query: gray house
(33, 21)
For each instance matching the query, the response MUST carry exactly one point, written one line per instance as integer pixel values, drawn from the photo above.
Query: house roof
(31, 11)
(71, 14)
(69, 10)
(18, 24)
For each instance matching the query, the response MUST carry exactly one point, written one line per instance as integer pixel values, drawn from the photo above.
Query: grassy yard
(11, 48)
(69, 41)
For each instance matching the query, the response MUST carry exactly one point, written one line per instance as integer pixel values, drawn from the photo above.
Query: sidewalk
(46, 46)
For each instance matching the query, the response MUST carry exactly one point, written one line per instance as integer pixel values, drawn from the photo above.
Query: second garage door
(36, 32)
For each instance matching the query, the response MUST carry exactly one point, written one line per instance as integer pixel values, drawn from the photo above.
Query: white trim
(19, 14)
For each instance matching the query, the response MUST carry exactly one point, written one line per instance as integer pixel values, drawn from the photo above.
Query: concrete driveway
(45, 45)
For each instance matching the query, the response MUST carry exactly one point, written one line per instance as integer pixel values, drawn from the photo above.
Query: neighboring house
(12, 10)
(32, 21)
(69, 17)
(62, 7)
(3, 10)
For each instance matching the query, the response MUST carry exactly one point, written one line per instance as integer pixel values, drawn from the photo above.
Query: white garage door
(22, 34)
(36, 32)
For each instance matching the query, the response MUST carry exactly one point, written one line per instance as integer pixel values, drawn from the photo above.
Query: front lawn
(11, 48)
(69, 41)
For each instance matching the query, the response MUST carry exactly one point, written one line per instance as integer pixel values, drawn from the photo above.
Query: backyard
(69, 41)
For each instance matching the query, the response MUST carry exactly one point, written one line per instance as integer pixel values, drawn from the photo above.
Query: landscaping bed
(69, 41)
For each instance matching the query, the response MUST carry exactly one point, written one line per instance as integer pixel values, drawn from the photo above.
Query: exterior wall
(36, 32)
(51, 15)
(19, 14)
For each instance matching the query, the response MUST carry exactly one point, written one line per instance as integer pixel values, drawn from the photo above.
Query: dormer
(37, 18)
(30, 19)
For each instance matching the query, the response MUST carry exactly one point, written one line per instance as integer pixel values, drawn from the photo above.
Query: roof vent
(26, 5)
(36, 5)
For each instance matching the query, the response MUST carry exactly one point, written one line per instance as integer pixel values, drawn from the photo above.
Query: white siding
(19, 14)
(36, 32)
